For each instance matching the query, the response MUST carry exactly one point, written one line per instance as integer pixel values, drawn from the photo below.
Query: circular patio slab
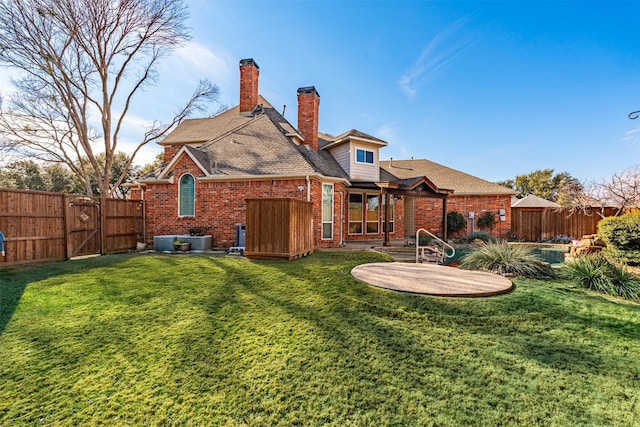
(432, 279)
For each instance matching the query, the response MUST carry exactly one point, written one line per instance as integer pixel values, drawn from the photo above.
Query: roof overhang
(182, 151)
(348, 138)
(416, 187)
(419, 186)
(249, 177)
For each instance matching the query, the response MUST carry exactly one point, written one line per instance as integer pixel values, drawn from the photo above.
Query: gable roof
(442, 176)
(231, 145)
(533, 201)
(327, 141)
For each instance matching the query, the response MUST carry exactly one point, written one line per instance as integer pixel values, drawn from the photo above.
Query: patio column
(444, 218)
(386, 220)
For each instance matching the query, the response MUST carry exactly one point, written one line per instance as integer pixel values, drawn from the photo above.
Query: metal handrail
(444, 244)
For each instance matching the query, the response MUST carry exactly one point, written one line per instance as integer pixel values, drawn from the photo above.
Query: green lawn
(194, 340)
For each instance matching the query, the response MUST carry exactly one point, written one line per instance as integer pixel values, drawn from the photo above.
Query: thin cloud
(632, 136)
(386, 132)
(194, 61)
(439, 52)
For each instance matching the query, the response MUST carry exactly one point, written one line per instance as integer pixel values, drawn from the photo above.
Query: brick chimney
(249, 72)
(308, 107)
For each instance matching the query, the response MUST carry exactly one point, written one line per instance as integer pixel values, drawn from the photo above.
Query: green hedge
(455, 222)
(622, 236)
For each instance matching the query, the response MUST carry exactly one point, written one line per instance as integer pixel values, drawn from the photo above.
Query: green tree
(22, 174)
(150, 167)
(120, 166)
(81, 64)
(544, 183)
(509, 183)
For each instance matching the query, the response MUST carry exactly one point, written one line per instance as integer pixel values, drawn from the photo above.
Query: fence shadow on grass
(11, 289)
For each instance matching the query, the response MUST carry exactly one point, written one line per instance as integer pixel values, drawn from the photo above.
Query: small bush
(487, 220)
(485, 237)
(560, 239)
(455, 222)
(504, 259)
(622, 236)
(598, 273)
(425, 240)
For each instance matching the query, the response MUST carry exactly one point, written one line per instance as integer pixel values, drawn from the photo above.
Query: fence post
(67, 227)
(103, 225)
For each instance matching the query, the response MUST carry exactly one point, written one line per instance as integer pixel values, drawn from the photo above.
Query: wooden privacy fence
(540, 224)
(278, 228)
(41, 227)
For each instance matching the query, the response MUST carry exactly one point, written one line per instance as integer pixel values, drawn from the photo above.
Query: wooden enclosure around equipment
(278, 228)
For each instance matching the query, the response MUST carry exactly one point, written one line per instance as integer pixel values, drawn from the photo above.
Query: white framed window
(327, 211)
(186, 195)
(364, 156)
(373, 214)
(355, 213)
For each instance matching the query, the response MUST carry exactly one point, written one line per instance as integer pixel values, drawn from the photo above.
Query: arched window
(186, 195)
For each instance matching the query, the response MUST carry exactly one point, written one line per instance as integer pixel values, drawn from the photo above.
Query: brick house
(251, 151)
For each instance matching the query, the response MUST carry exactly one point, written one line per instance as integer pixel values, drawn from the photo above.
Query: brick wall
(429, 213)
(171, 150)
(221, 206)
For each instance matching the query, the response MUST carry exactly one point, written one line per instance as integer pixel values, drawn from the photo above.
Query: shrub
(455, 222)
(622, 236)
(425, 240)
(599, 273)
(560, 239)
(503, 259)
(485, 237)
(487, 220)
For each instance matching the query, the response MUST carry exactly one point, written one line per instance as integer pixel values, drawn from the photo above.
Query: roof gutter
(248, 177)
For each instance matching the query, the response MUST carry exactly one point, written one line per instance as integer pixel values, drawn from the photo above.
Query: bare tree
(621, 191)
(80, 64)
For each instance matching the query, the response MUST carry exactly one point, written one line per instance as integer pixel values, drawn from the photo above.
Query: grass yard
(194, 340)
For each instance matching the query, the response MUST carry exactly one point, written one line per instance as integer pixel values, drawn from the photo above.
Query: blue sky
(494, 89)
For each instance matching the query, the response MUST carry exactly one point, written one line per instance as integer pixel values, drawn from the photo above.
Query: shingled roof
(533, 201)
(264, 143)
(325, 141)
(442, 176)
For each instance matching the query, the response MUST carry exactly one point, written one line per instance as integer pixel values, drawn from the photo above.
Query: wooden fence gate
(41, 227)
(83, 226)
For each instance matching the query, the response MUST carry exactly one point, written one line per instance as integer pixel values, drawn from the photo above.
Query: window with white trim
(186, 195)
(373, 213)
(355, 213)
(364, 156)
(327, 211)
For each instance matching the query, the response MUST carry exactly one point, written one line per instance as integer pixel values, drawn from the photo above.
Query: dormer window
(364, 156)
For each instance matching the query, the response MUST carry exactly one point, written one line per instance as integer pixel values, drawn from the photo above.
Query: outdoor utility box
(240, 235)
(278, 228)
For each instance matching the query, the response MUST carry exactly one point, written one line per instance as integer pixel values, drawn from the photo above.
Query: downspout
(341, 217)
(308, 188)
(144, 216)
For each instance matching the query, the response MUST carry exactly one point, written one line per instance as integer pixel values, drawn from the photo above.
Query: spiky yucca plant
(599, 273)
(506, 259)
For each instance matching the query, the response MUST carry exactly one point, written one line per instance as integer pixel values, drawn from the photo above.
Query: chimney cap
(308, 90)
(249, 61)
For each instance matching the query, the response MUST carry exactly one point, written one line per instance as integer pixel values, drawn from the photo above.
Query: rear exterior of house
(251, 151)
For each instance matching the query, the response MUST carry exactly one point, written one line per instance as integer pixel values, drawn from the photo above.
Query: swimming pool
(554, 255)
